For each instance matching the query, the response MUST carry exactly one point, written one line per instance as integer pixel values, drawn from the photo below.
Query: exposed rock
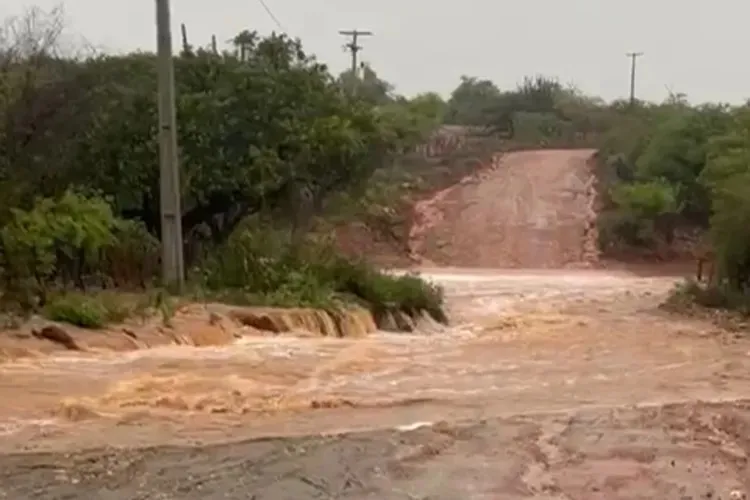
(197, 334)
(387, 322)
(426, 323)
(196, 326)
(394, 320)
(404, 322)
(55, 334)
(199, 325)
(353, 322)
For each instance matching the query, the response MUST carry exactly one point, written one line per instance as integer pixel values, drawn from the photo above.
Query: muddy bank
(677, 451)
(199, 326)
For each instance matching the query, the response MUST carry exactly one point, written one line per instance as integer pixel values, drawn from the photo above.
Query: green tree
(430, 107)
(678, 152)
(254, 133)
(471, 102)
(727, 178)
(367, 86)
(59, 239)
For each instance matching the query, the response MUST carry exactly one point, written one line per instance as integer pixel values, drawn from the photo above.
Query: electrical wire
(271, 15)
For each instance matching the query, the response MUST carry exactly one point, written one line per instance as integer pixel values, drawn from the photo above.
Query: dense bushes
(72, 242)
(57, 241)
(644, 210)
(727, 179)
(265, 131)
(261, 267)
(685, 170)
(64, 246)
(668, 173)
(653, 162)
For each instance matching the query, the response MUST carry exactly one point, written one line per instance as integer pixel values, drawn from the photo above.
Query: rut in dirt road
(532, 209)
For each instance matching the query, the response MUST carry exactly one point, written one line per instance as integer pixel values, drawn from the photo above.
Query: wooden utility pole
(353, 46)
(173, 267)
(633, 56)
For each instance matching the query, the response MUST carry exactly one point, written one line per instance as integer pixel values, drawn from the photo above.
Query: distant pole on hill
(353, 46)
(171, 212)
(633, 56)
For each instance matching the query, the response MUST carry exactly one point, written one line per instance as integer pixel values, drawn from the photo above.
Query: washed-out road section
(549, 385)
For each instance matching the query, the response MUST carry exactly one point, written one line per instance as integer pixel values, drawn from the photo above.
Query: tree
(678, 152)
(471, 101)
(480, 103)
(369, 87)
(261, 132)
(43, 107)
(430, 106)
(727, 179)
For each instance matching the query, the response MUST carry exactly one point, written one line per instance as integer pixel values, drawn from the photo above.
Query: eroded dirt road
(529, 210)
(550, 385)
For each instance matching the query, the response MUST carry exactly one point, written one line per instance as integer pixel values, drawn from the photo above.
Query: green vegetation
(266, 134)
(672, 175)
(260, 267)
(677, 176)
(271, 143)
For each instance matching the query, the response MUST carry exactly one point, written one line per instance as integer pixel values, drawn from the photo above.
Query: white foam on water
(414, 426)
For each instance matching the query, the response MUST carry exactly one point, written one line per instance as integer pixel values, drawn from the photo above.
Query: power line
(271, 15)
(633, 56)
(353, 46)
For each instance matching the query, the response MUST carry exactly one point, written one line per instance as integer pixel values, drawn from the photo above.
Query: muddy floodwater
(521, 342)
(544, 381)
(558, 384)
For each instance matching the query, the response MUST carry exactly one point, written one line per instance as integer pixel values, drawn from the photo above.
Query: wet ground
(679, 451)
(529, 210)
(547, 385)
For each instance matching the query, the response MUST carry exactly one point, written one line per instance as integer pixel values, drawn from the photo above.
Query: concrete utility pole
(185, 44)
(173, 267)
(353, 46)
(633, 56)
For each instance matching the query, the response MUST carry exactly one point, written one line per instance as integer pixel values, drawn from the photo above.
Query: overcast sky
(696, 47)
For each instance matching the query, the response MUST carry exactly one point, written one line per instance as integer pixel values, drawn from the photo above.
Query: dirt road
(549, 384)
(532, 209)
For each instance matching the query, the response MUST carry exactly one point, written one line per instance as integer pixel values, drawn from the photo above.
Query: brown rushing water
(548, 385)
(521, 342)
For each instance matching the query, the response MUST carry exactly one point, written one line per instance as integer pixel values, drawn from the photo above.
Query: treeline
(674, 177)
(267, 137)
(677, 177)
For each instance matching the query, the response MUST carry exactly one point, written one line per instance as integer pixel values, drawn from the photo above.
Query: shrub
(691, 293)
(77, 309)
(134, 259)
(382, 292)
(96, 310)
(72, 242)
(262, 267)
(58, 241)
